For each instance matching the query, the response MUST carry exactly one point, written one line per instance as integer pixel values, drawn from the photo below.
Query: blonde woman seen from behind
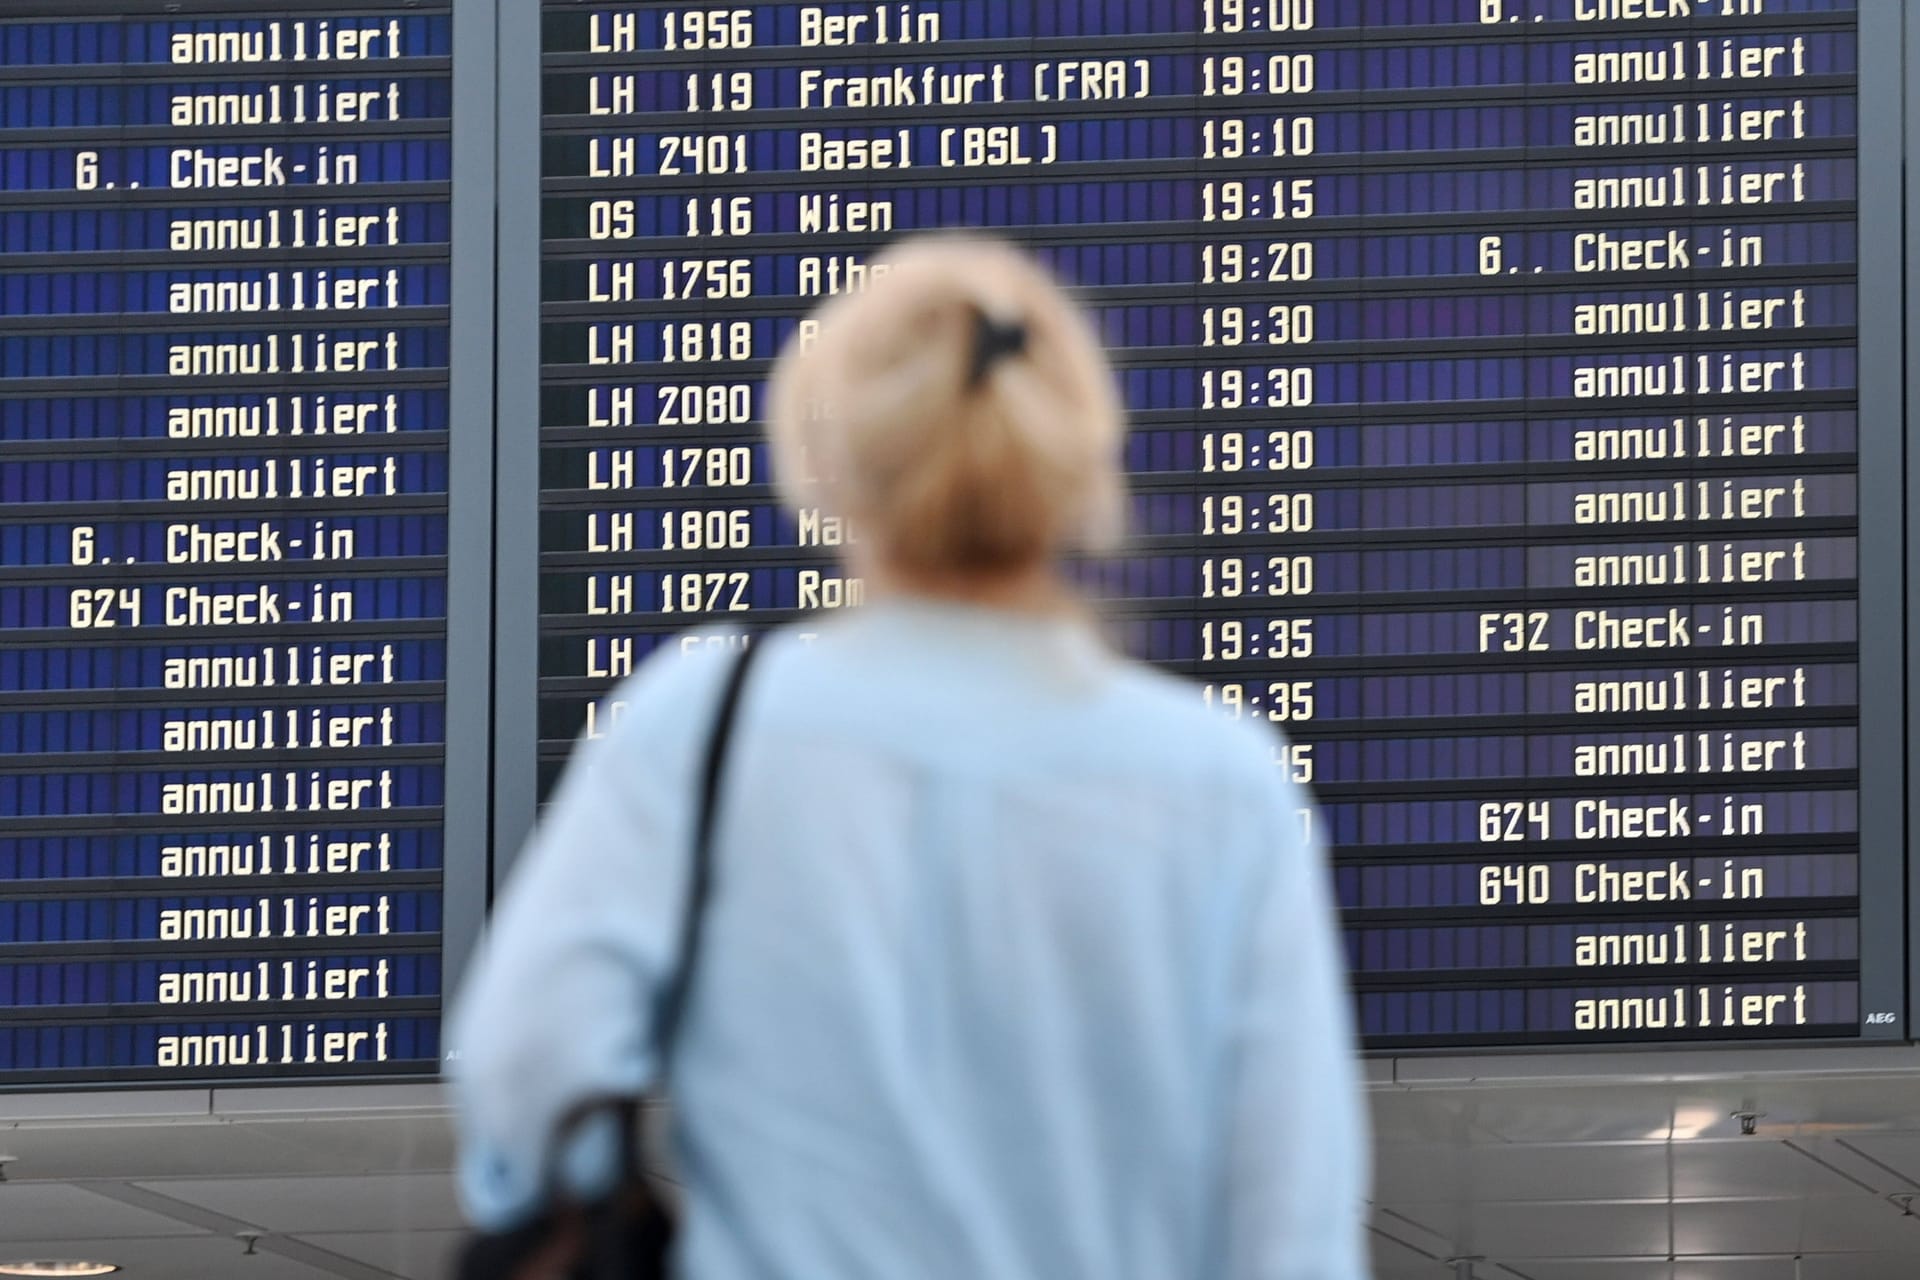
(1017, 966)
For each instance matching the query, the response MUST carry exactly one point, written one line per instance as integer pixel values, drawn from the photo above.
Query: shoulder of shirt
(674, 691)
(1231, 760)
(1180, 725)
(670, 699)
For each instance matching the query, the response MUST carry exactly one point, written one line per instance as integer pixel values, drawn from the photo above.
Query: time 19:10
(1233, 139)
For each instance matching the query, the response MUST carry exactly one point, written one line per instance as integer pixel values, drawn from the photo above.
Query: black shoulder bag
(627, 1234)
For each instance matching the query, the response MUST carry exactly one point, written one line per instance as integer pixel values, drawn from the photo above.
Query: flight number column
(654, 483)
(685, 241)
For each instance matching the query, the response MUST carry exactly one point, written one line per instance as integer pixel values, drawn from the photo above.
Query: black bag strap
(673, 995)
(671, 1002)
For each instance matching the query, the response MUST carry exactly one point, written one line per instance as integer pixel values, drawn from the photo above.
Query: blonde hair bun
(958, 412)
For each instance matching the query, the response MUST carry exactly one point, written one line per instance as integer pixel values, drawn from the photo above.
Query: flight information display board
(224, 286)
(1496, 429)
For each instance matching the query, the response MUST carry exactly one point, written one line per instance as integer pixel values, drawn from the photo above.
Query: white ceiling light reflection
(1692, 1122)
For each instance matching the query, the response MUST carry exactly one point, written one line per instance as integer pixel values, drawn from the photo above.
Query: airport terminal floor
(1519, 405)
(1581, 1168)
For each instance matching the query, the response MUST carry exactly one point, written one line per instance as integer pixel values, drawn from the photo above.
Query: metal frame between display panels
(473, 426)
(1882, 449)
(517, 388)
(1902, 374)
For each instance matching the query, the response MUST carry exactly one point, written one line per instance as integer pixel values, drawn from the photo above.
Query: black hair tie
(994, 341)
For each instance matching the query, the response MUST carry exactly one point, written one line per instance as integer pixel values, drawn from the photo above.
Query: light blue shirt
(1018, 967)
